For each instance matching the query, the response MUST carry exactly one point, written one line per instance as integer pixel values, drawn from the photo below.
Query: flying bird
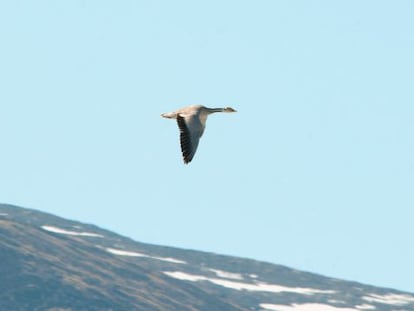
(191, 121)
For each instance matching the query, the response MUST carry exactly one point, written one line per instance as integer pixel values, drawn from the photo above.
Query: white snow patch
(67, 232)
(304, 307)
(227, 275)
(169, 259)
(365, 307)
(135, 254)
(258, 287)
(253, 276)
(390, 299)
(124, 253)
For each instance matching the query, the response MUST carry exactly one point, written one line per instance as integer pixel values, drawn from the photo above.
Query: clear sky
(315, 171)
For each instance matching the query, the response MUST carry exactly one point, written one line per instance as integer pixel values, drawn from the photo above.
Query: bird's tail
(169, 115)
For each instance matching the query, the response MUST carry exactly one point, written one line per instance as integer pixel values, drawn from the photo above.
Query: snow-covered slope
(49, 263)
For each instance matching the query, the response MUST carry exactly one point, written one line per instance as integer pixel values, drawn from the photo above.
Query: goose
(191, 122)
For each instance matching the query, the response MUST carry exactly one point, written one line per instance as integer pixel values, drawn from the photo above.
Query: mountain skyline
(50, 263)
(318, 160)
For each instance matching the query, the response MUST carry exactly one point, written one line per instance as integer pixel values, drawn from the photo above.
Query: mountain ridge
(51, 263)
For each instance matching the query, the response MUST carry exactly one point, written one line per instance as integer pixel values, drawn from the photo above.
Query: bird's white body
(192, 122)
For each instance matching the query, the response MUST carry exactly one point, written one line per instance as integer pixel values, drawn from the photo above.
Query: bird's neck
(212, 110)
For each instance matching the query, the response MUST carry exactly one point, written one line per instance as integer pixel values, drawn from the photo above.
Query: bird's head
(229, 109)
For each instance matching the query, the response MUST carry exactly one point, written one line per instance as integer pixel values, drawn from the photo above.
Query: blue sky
(315, 171)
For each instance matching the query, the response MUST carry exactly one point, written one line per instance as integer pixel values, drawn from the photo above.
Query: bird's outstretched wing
(191, 130)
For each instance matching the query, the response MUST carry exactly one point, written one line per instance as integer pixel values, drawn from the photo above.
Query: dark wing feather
(185, 140)
(190, 132)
